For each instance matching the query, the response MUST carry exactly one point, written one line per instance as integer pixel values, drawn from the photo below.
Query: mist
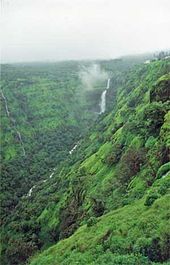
(53, 30)
(91, 75)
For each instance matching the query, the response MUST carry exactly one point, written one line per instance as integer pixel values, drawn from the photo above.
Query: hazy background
(37, 30)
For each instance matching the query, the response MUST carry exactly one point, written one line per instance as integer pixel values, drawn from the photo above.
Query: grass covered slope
(104, 196)
(112, 238)
(114, 208)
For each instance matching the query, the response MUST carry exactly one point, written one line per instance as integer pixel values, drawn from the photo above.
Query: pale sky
(40, 30)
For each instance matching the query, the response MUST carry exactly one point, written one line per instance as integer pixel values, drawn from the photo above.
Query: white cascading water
(72, 150)
(103, 98)
(45, 180)
(13, 121)
(30, 191)
(22, 144)
(6, 105)
(103, 102)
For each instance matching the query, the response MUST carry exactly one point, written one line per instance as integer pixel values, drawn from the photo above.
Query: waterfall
(13, 122)
(103, 98)
(103, 102)
(6, 105)
(22, 144)
(108, 83)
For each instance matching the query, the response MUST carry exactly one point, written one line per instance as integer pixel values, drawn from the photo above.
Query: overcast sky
(38, 30)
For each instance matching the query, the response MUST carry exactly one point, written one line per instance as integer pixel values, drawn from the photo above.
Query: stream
(74, 148)
(45, 180)
(102, 110)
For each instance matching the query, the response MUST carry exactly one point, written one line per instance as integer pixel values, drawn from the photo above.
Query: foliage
(163, 170)
(130, 165)
(95, 200)
(151, 198)
(160, 91)
(91, 221)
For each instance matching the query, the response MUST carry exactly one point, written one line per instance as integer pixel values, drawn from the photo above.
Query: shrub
(141, 245)
(165, 246)
(117, 244)
(163, 170)
(150, 142)
(160, 92)
(164, 187)
(19, 251)
(91, 221)
(157, 249)
(154, 250)
(98, 207)
(150, 199)
(115, 155)
(130, 164)
(165, 154)
(154, 116)
(110, 259)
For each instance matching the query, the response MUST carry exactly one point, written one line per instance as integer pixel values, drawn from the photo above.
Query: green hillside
(44, 113)
(107, 202)
(119, 190)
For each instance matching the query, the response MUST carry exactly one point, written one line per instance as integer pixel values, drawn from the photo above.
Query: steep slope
(109, 179)
(43, 115)
(134, 234)
(46, 110)
(119, 182)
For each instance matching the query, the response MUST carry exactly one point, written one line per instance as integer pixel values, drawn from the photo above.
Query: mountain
(90, 188)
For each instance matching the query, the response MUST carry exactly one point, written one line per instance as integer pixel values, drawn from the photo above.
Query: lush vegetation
(107, 202)
(46, 108)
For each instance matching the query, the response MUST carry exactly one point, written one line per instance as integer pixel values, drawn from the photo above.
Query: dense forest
(79, 186)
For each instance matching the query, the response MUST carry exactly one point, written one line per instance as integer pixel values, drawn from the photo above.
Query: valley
(85, 162)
